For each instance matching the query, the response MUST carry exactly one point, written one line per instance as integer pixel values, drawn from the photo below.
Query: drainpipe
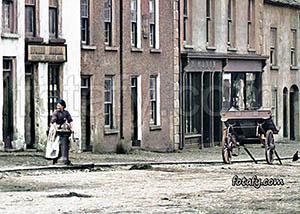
(121, 69)
(181, 135)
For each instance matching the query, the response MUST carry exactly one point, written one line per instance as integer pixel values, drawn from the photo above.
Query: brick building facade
(127, 73)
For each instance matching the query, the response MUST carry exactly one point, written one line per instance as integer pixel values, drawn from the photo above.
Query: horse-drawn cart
(248, 127)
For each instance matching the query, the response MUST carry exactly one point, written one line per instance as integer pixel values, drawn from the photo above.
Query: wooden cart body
(248, 127)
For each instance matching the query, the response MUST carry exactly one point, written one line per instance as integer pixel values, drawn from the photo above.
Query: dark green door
(7, 104)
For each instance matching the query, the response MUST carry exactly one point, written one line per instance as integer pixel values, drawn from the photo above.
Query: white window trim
(156, 24)
(139, 107)
(158, 100)
(139, 23)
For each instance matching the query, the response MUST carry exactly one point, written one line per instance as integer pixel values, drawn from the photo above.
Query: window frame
(30, 4)
(293, 47)
(53, 23)
(108, 5)
(133, 21)
(273, 47)
(152, 24)
(85, 22)
(251, 24)
(109, 104)
(231, 19)
(12, 17)
(210, 31)
(153, 100)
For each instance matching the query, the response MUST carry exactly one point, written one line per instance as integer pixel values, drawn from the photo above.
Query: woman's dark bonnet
(62, 102)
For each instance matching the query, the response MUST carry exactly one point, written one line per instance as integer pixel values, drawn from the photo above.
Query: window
(108, 22)
(193, 96)
(185, 19)
(242, 91)
(53, 18)
(133, 18)
(152, 16)
(85, 22)
(154, 100)
(250, 27)
(293, 47)
(30, 20)
(53, 89)
(274, 105)
(273, 47)
(231, 23)
(108, 102)
(9, 17)
(210, 23)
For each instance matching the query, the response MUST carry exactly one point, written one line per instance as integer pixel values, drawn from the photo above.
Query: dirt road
(162, 189)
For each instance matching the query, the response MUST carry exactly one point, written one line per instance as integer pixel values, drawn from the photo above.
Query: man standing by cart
(62, 120)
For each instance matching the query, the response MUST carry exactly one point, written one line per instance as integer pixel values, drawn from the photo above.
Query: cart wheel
(269, 147)
(226, 149)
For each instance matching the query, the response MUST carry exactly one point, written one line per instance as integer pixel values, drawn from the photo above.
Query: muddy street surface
(235, 188)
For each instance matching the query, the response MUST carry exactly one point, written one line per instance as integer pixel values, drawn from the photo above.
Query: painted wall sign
(46, 53)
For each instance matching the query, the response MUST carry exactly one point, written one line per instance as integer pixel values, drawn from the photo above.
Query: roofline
(281, 4)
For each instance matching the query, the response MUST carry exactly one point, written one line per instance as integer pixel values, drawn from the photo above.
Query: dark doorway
(294, 112)
(7, 113)
(207, 109)
(85, 113)
(217, 93)
(285, 123)
(29, 107)
(134, 112)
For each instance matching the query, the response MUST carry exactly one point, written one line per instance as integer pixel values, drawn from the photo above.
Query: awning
(235, 65)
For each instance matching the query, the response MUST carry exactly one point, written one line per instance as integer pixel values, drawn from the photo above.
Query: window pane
(227, 91)
(29, 22)
(53, 21)
(7, 15)
(238, 91)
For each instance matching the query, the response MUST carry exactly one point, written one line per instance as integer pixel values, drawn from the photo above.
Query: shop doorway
(285, 116)
(294, 112)
(29, 107)
(85, 113)
(135, 110)
(7, 113)
(202, 106)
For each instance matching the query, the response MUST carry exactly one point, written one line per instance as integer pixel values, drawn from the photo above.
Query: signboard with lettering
(47, 53)
(203, 65)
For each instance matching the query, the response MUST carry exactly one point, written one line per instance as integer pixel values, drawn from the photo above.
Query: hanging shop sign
(46, 53)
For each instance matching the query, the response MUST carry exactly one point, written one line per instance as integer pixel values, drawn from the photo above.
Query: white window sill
(108, 131)
(133, 49)
(111, 48)
(231, 49)
(155, 128)
(10, 36)
(293, 67)
(250, 50)
(209, 48)
(154, 50)
(274, 67)
(186, 46)
(88, 47)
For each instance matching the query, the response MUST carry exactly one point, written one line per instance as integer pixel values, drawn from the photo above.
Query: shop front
(212, 84)
(43, 88)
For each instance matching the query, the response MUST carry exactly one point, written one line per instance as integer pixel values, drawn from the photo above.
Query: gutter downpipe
(181, 135)
(121, 70)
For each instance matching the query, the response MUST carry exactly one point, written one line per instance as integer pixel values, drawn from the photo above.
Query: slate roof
(286, 3)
